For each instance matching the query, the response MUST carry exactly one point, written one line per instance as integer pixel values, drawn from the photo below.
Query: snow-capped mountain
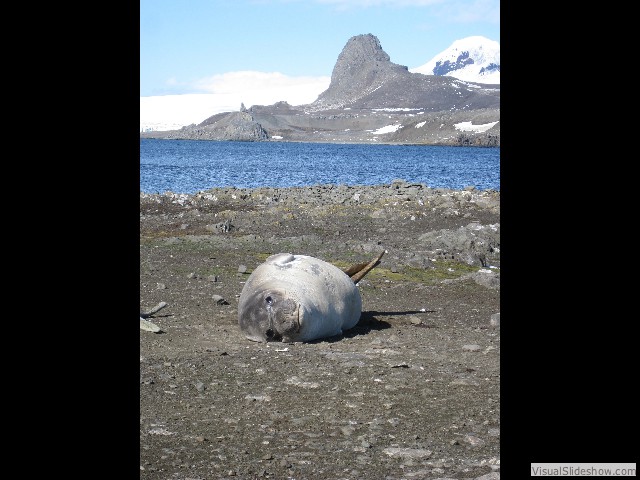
(474, 59)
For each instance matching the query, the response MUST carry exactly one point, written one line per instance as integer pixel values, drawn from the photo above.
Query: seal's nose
(269, 333)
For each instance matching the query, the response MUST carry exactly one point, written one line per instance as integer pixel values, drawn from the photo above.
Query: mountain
(474, 59)
(370, 100)
(365, 77)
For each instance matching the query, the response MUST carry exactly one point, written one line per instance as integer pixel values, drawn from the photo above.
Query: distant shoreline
(416, 144)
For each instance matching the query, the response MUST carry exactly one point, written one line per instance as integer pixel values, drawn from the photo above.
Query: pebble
(489, 476)
(495, 320)
(473, 440)
(149, 326)
(471, 348)
(348, 430)
(219, 300)
(299, 383)
(258, 398)
(407, 452)
(464, 381)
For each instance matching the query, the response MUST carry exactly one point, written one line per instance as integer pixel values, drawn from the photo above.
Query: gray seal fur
(299, 298)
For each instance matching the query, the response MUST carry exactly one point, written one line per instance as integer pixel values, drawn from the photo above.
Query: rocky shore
(413, 391)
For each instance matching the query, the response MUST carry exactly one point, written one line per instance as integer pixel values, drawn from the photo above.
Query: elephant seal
(299, 298)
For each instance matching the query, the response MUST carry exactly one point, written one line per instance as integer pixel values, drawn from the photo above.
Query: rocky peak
(362, 66)
(360, 52)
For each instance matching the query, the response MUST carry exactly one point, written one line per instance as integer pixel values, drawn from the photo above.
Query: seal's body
(298, 298)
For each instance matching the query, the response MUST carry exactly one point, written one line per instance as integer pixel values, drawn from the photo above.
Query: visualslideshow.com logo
(583, 469)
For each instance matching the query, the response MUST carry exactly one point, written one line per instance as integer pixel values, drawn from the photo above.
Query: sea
(191, 166)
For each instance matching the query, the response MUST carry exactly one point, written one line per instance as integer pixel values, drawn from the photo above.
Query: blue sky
(220, 47)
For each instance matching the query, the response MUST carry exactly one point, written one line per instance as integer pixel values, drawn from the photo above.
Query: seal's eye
(269, 300)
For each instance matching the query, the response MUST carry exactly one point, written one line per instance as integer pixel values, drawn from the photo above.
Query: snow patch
(483, 54)
(387, 129)
(386, 109)
(469, 127)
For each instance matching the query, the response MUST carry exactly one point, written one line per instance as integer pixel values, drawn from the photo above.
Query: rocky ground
(413, 391)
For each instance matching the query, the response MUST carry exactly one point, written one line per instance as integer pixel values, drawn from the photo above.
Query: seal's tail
(359, 270)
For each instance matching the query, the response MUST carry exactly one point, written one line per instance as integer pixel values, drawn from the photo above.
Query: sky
(202, 57)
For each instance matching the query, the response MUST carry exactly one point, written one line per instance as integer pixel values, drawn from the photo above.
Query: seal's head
(270, 315)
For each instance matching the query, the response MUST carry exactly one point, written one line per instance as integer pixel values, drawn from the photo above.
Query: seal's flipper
(353, 269)
(359, 270)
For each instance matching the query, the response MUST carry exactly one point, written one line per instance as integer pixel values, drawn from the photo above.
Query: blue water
(189, 166)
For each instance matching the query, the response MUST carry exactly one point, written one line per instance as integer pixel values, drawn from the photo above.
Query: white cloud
(472, 11)
(225, 93)
(460, 11)
(272, 86)
(344, 4)
(170, 112)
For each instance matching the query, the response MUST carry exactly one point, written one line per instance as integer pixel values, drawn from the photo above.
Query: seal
(299, 298)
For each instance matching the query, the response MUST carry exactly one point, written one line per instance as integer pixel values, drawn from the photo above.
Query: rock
(348, 430)
(219, 300)
(221, 227)
(489, 476)
(149, 326)
(407, 452)
(473, 440)
(258, 398)
(474, 244)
